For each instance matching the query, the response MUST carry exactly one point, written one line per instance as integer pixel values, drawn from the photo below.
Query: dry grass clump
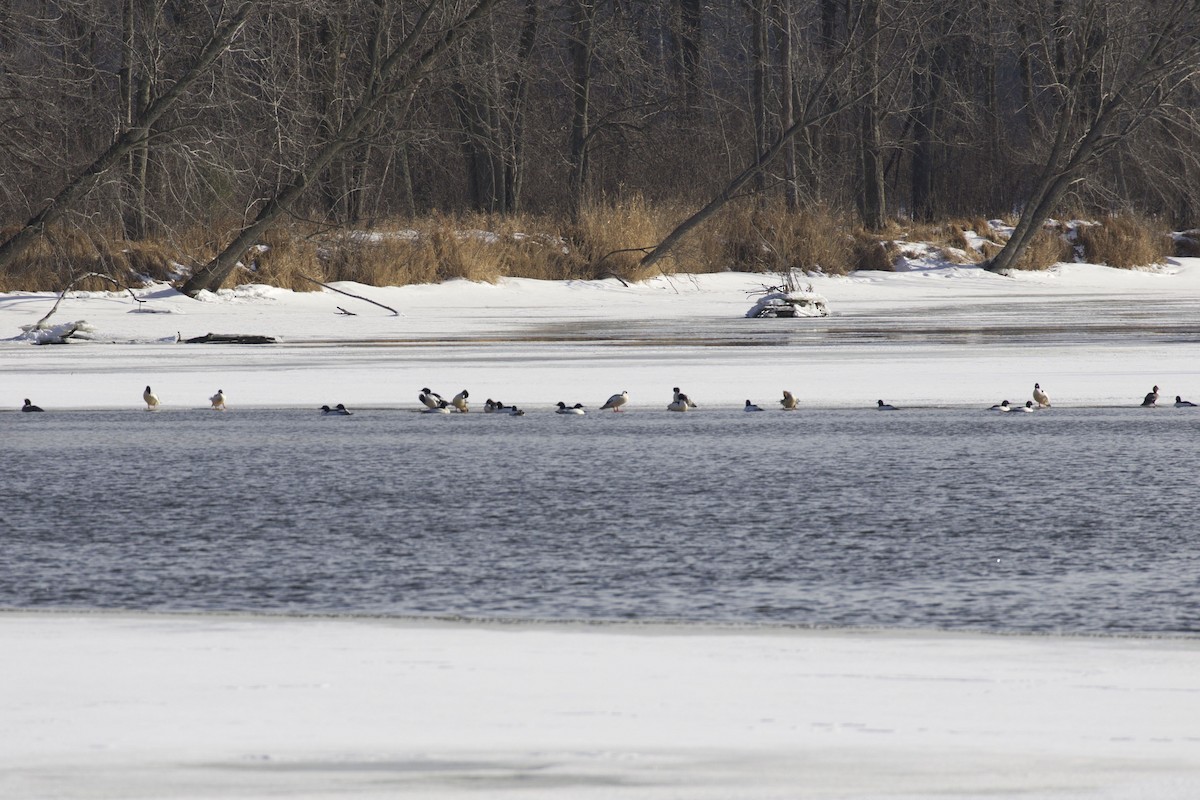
(611, 238)
(1048, 247)
(773, 239)
(1126, 241)
(989, 249)
(950, 238)
(872, 253)
(441, 248)
(53, 260)
(283, 257)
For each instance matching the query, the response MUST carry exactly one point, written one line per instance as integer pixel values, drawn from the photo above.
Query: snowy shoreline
(938, 336)
(243, 706)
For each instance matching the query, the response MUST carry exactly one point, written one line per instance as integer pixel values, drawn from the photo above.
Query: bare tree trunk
(518, 99)
(929, 78)
(583, 19)
(783, 21)
(871, 201)
(756, 10)
(124, 142)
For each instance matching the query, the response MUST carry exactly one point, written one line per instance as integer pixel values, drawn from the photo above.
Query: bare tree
(1130, 64)
(581, 46)
(397, 75)
(872, 204)
(130, 136)
(828, 93)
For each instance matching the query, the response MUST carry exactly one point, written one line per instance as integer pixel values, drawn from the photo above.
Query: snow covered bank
(125, 706)
(933, 335)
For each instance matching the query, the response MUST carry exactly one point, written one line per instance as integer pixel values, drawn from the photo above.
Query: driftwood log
(230, 338)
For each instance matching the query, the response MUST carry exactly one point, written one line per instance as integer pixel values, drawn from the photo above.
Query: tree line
(146, 118)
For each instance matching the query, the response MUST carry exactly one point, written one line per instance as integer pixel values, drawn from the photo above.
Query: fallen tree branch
(348, 294)
(41, 323)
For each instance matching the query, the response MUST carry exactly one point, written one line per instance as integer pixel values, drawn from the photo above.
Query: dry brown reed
(872, 253)
(605, 239)
(611, 238)
(284, 257)
(1048, 247)
(774, 239)
(1125, 241)
(55, 259)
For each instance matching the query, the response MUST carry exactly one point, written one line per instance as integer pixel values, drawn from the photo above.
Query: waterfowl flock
(434, 403)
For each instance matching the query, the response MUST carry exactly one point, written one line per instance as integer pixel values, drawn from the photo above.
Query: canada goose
(460, 401)
(1181, 403)
(1151, 399)
(30, 406)
(151, 399)
(751, 407)
(788, 402)
(218, 400)
(882, 406)
(1040, 397)
(616, 401)
(563, 408)
(1003, 406)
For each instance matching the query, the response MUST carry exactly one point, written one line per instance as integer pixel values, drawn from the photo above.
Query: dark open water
(1064, 520)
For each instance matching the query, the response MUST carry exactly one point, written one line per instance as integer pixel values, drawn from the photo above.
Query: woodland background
(301, 120)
